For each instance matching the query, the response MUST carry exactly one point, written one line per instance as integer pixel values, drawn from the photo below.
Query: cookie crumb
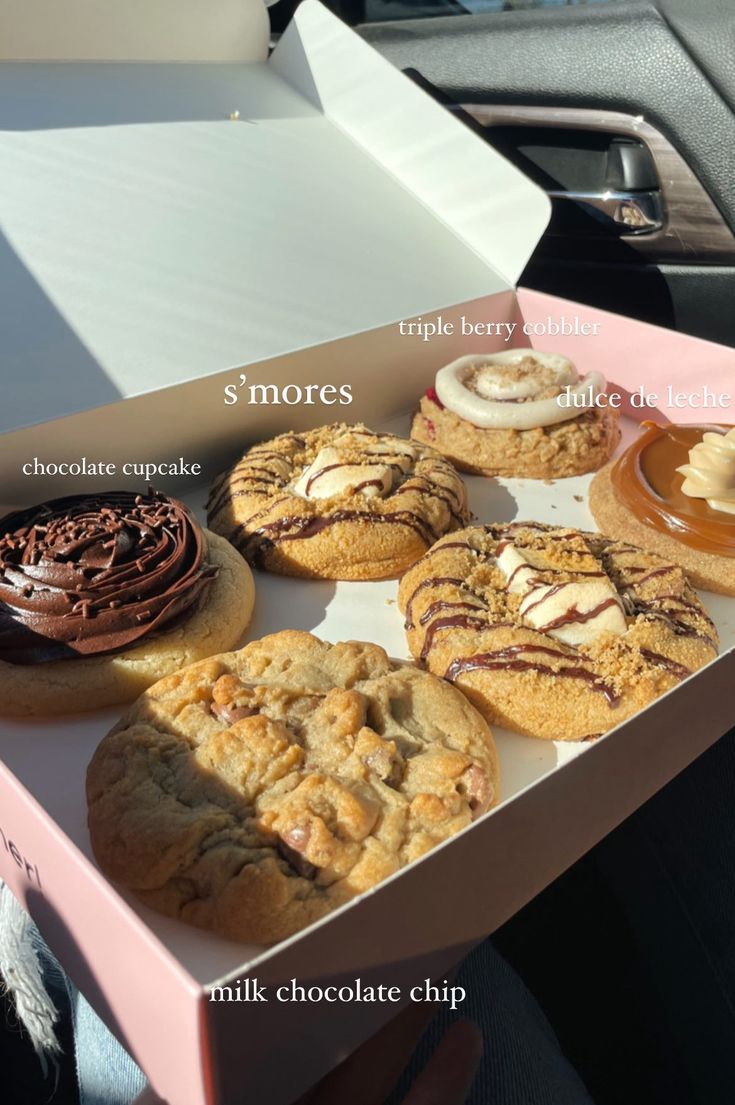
(579, 498)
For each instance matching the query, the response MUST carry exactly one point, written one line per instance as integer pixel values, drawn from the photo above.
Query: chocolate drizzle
(425, 585)
(331, 468)
(659, 607)
(665, 662)
(435, 607)
(506, 659)
(455, 621)
(441, 547)
(89, 575)
(573, 616)
(266, 477)
(424, 485)
(473, 612)
(525, 611)
(298, 528)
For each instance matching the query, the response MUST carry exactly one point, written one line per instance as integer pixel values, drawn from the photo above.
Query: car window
(379, 11)
(375, 11)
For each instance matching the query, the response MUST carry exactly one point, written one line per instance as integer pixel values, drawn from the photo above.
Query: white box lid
(148, 239)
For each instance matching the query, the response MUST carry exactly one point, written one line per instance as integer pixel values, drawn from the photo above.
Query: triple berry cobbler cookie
(101, 595)
(520, 413)
(254, 792)
(338, 502)
(553, 632)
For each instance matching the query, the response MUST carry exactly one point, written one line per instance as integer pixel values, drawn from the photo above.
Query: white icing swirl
(710, 473)
(519, 389)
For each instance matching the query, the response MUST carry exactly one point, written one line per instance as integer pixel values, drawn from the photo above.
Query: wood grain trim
(694, 231)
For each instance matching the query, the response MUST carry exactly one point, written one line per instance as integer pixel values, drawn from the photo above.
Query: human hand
(369, 1075)
(448, 1076)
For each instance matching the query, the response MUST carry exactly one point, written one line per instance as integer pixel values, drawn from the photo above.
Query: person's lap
(522, 1063)
(672, 866)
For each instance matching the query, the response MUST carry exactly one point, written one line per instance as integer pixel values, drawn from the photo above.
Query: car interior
(624, 112)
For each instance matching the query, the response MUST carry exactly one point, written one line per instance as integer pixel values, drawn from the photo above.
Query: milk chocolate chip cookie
(553, 632)
(339, 502)
(101, 595)
(519, 413)
(254, 792)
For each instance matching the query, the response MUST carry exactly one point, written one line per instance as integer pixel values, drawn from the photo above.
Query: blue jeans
(672, 867)
(522, 1063)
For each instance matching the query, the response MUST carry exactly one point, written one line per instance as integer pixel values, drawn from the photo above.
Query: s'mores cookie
(553, 632)
(338, 502)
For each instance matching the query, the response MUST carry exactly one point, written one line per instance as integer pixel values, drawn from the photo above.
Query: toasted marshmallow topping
(330, 474)
(710, 473)
(397, 454)
(518, 389)
(576, 612)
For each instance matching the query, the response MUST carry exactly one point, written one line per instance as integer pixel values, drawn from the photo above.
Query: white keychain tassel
(20, 971)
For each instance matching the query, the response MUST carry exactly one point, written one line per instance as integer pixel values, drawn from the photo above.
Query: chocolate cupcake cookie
(553, 632)
(101, 595)
(339, 502)
(253, 793)
(520, 413)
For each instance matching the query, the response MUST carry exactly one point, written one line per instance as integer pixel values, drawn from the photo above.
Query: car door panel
(636, 60)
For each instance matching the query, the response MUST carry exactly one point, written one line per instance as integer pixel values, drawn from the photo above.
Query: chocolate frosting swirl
(87, 575)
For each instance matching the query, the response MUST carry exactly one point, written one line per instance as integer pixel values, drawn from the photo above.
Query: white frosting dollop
(518, 389)
(710, 473)
(576, 612)
(329, 474)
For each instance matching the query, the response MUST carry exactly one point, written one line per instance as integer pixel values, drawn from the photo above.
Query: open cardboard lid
(164, 222)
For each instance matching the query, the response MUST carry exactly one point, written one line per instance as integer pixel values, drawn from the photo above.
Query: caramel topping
(646, 481)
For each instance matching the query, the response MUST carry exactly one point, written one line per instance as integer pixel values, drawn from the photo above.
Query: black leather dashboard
(639, 56)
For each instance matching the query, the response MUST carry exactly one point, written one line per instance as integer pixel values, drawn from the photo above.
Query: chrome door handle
(626, 212)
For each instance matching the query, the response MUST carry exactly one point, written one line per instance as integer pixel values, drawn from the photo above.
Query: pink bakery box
(394, 211)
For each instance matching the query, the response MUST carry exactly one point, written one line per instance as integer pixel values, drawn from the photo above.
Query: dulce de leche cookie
(254, 792)
(518, 413)
(101, 595)
(339, 502)
(553, 632)
(673, 491)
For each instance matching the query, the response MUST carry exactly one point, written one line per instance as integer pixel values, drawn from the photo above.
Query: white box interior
(150, 244)
(49, 756)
